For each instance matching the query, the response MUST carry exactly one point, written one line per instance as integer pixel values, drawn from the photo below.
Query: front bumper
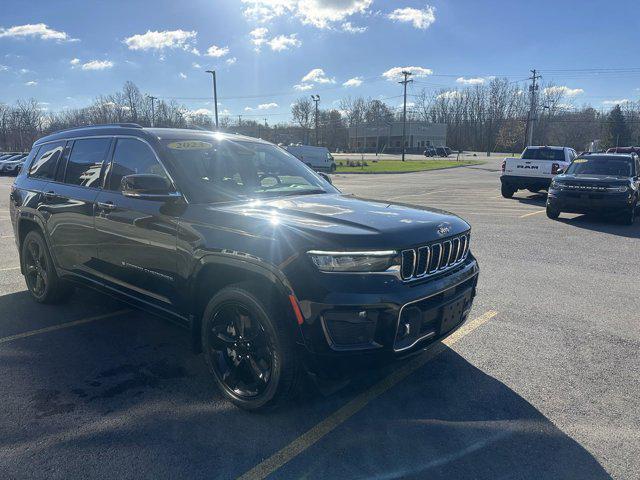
(352, 330)
(581, 202)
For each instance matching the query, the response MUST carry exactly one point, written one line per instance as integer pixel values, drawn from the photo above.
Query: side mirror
(148, 186)
(326, 177)
(560, 171)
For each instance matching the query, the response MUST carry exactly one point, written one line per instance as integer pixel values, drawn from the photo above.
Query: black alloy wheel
(40, 275)
(241, 351)
(36, 268)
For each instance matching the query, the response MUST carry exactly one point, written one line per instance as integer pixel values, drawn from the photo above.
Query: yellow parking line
(533, 213)
(9, 268)
(62, 326)
(6, 236)
(316, 433)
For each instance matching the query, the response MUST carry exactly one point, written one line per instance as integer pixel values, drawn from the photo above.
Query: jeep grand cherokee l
(273, 270)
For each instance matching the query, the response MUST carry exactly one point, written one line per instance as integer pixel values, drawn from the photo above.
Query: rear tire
(553, 213)
(249, 349)
(507, 191)
(43, 282)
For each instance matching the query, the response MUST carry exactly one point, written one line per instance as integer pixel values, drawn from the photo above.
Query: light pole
(404, 108)
(215, 95)
(316, 99)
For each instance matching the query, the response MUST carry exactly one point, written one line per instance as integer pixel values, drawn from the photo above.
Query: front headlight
(366, 261)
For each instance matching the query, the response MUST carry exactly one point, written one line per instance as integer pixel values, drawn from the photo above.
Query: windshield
(617, 167)
(554, 154)
(219, 170)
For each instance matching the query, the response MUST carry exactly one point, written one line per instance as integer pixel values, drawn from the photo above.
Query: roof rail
(123, 125)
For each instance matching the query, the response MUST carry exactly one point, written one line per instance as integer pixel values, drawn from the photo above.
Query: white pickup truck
(534, 169)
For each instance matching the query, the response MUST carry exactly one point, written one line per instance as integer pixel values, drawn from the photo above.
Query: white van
(318, 158)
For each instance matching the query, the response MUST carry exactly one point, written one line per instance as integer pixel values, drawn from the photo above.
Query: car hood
(341, 221)
(611, 180)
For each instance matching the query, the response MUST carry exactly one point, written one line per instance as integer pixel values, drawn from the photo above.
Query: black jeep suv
(273, 270)
(598, 183)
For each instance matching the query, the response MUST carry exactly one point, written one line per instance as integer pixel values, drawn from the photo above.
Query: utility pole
(153, 110)
(239, 120)
(316, 99)
(533, 89)
(215, 95)
(404, 108)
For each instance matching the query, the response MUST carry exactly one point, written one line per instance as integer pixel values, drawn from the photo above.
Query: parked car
(635, 150)
(9, 164)
(601, 183)
(534, 169)
(430, 152)
(12, 167)
(443, 151)
(318, 158)
(272, 269)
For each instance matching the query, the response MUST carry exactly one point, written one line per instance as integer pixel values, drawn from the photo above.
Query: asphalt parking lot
(541, 382)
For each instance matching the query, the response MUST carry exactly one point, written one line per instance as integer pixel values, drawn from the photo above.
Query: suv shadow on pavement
(128, 397)
(538, 199)
(604, 224)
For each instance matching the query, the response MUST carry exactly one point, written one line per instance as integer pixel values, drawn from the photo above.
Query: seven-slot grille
(434, 258)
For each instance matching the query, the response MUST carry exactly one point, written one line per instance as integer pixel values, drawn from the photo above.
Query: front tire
(249, 349)
(507, 191)
(629, 217)
(43, 282)
(553, 213)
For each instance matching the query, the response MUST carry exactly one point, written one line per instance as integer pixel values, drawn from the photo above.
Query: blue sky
(269, 52)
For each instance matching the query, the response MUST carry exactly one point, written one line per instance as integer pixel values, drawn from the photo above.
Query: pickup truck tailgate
(519, 167)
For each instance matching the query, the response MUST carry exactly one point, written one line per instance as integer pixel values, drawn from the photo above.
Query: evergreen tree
(617, 132)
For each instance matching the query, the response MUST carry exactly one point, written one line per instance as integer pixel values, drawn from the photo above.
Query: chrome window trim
(110, 159)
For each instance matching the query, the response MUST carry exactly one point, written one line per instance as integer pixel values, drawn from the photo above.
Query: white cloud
(196, 65)
(303, 87)
(74, 61)
(217, 52)
(620, 101)
(471, 81)
(350, 28)
(319, 13)
(450, 94)
(353, 82)
(259, 37)
(39, 30)
(395, 73)
(197, 112)
(97, 65)
(3, 68)
(317, 75)
(248, 109)
(182, 75)
(231, 61)
(31, 83)
(421, 19)
(267, 106)
(563, 90)
(284, 42)
(166, 39)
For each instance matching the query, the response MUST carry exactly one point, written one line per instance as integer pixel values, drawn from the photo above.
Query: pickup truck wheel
(43, 283)
(552, 213)
(507, 191)
(250, 354)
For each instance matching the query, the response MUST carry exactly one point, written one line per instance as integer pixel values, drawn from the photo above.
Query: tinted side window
(46, 162)
(132, 156)
(85, 162)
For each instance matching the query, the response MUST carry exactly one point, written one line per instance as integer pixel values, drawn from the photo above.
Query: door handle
(50, 195)
(106, 205)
